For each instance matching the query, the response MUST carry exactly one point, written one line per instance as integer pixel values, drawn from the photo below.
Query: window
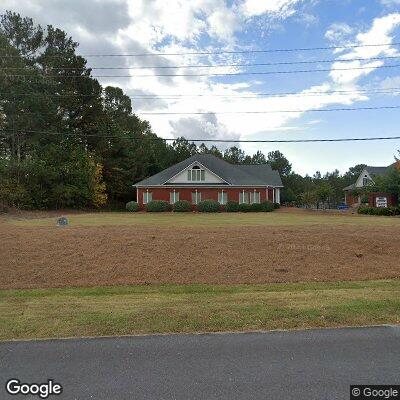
(173, 197)
(365, 181)
(196, 174)
(196, 197)
(147, 197)
(243, 197)
(254, 197)
(222, 197)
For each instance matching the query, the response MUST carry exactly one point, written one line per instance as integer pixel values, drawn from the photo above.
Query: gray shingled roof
(373, 171)
(350, 187)
(236, 175)
(377, 170)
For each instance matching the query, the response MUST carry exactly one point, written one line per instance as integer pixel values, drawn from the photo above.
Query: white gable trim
(189, 166)
(359, 180)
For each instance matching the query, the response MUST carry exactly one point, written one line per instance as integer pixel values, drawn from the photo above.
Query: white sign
(381, 202)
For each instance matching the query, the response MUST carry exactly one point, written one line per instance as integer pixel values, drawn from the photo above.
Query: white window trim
(193, 172)
(146, 196)
(175, 197)
(222, 193)
(202, 167)
(252, 196)
(197, 197)
(243, 192)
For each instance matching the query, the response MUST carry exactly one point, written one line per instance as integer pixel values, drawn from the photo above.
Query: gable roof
(236, 175)
(350, 187)
(377, 170)
(373, 171)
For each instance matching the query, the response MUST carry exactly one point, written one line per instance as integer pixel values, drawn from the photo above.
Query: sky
(248, 27)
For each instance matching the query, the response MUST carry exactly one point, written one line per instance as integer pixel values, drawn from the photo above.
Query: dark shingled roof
(377, 170)
(350, 187)
(373, 171)
(236, 175)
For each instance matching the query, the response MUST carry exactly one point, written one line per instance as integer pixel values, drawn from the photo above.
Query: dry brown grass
(47, 256)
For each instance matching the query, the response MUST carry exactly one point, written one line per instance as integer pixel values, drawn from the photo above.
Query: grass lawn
(144, 309)
(277, 218)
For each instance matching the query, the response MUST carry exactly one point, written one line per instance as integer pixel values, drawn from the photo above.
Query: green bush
(276, 206)
(389, 211)
(210, 206)
(158, 206)
(267, 206)
(232, 206)
(132, 206)
(256, 207)
(182, 206)
(244, 207)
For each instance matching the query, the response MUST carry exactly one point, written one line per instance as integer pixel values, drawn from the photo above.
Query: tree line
(68, 142)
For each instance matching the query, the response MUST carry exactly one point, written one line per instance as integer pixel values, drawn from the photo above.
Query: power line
(212, 74)
(217, 65)
(254, 95)
(272, 111)
(219, 52)
(219, 140)
(260, 112)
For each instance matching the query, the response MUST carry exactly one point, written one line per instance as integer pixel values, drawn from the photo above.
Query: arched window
(196, 174)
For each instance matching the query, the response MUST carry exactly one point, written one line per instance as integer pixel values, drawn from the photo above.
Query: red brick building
(204, 176)
(352, 194)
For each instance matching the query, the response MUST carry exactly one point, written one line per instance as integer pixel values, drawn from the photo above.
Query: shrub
(256, 207)
(208, 206)
(158, 206)
(132, 206)
(244, 207)
(182, 206)
(267, 206)
(232, 206)
(389, 211)
(276, 206)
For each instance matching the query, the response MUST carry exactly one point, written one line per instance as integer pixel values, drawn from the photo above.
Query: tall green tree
(279, 162)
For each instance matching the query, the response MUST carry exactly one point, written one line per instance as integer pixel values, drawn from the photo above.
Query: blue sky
(178, 26)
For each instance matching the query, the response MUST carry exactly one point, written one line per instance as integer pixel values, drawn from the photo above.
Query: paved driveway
(314, 364)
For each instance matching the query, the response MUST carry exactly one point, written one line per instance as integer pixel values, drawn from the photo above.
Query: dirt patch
(88, 256)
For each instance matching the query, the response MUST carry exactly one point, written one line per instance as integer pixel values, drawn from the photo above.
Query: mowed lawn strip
(142, 309)
(292, 217)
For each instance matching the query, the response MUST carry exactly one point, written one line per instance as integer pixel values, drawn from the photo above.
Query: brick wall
(185, 193)
(391, 200)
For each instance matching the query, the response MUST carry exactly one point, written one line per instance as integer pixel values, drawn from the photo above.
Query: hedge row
(390, 211)
(210, 206)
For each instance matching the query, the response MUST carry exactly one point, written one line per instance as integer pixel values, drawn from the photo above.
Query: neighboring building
(366, 178)
(204, 176)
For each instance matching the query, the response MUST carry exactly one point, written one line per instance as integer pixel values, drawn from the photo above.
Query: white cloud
(390, 3)
(380, 32)
(283, 8)
(339, 32)
(180, 26)
(391, 82)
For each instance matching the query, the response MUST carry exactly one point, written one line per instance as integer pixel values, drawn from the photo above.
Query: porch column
(278, 196)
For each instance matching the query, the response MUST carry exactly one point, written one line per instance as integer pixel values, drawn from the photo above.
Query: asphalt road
(314, 364)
